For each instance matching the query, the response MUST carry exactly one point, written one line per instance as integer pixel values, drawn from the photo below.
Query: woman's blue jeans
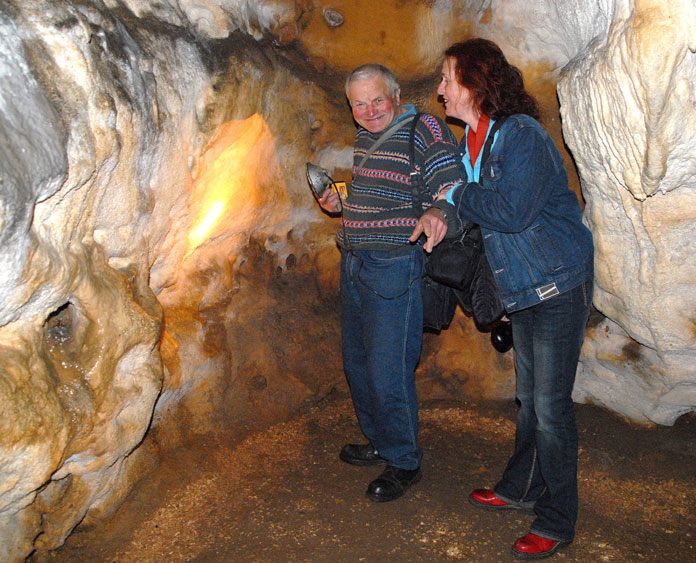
(382, 333)
(543, 468)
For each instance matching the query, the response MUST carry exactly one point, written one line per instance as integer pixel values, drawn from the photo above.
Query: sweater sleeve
(436, 148)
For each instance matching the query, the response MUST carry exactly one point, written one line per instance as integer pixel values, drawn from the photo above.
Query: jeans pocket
(387, 275)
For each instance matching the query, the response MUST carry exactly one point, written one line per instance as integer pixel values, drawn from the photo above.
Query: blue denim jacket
(532, 226)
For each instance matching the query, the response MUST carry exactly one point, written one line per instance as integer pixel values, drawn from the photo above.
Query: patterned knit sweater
(378, 212)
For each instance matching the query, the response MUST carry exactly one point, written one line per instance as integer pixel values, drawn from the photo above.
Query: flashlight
(319, 180)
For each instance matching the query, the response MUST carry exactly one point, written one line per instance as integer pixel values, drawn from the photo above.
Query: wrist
(438, 212)
(449, 214)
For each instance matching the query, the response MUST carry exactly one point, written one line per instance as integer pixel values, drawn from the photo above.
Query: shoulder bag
(458, 266)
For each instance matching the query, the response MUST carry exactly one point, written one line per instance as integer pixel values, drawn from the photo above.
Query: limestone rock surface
(628, 115)
(105, 109)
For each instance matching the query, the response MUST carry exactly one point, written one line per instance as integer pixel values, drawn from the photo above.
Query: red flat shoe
(533, 546)
(486, 499)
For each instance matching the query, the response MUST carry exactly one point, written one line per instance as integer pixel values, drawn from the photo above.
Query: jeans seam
(584, 294)
(531, 475)
(403, 355)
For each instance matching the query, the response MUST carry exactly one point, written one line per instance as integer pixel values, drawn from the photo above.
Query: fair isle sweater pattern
(378, 213)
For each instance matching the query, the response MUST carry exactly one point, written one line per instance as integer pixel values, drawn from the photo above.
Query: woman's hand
(434, 225)
(329, 201)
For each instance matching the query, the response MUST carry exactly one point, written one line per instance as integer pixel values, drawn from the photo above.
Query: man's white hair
(368, 71)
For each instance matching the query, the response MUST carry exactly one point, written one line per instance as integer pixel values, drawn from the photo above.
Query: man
(382, 309)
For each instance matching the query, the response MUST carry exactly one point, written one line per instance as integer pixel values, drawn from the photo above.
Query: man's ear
(397, 97)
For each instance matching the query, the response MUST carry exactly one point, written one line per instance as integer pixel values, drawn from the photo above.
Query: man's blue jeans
(382, 313)
(543, 468)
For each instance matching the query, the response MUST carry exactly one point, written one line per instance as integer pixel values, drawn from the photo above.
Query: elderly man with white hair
(381, 271)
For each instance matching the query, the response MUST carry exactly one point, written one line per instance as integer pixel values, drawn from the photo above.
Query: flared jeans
(543, 467)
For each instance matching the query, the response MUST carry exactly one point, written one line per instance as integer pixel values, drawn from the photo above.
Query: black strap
(491, 137)
(487, 149)
(383, 137)
(417, 189)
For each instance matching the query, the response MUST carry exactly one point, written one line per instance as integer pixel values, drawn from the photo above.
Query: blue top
(536, 242)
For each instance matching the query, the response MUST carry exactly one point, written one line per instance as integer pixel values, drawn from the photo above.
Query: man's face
(374, 107)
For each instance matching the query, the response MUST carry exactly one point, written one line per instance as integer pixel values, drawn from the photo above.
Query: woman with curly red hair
(541, 255)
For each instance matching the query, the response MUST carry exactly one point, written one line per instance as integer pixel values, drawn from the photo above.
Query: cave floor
(282, 494)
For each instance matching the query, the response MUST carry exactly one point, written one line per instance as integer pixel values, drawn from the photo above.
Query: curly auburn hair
(496, 86)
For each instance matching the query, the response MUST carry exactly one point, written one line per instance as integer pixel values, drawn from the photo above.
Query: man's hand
(329, 201)
(433, 224)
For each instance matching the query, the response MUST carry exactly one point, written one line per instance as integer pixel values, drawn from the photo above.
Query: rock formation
(166, 272)
(628, 116)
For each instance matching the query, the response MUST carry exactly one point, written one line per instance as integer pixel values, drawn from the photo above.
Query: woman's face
(456, 98)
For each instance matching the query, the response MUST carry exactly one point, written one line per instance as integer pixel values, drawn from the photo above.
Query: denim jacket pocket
(492, 170)
(545, 249)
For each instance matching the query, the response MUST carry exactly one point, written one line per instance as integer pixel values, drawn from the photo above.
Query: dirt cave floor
(282, 495)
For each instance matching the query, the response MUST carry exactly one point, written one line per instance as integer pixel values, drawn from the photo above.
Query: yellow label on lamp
(342, 189)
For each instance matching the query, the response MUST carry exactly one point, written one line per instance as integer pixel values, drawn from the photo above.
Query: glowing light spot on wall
(199, 232)
(225, 188)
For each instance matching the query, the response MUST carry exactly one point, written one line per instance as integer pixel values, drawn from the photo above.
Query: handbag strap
(383, 137)
(491, 139)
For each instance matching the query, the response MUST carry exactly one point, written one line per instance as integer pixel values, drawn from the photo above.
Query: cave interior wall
(167, 274)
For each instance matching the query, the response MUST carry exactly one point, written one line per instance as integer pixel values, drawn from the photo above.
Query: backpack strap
(418, 190)
(383, 137)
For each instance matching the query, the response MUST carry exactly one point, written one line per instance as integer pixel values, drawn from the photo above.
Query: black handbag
(439, 304)
(453, 262)
(459, 264)
(486, 304)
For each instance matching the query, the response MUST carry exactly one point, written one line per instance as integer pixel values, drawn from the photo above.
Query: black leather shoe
(392, 483)
(361, 454)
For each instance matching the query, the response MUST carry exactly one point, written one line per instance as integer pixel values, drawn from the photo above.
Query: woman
(542, 258)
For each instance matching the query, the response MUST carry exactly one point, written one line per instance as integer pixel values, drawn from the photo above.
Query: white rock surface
(102, 120)
(628, 107)
(80, 370)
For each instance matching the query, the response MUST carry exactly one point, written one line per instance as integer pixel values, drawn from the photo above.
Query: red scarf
(475, 140)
